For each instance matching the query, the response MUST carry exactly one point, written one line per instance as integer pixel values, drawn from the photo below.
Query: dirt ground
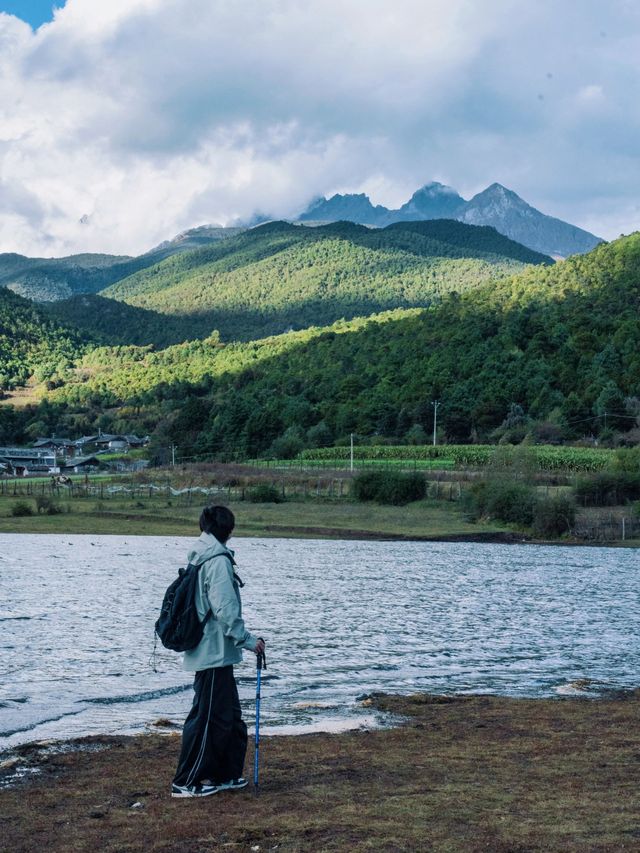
(462, 774)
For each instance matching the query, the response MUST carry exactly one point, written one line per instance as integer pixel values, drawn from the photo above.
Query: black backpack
(178, 625)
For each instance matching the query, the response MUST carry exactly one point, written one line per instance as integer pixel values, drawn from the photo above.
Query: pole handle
(261, 658)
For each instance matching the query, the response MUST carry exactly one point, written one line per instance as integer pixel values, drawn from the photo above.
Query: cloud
(126, 122)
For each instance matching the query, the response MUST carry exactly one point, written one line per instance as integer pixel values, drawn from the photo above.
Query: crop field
(543, 457)
(344, 463)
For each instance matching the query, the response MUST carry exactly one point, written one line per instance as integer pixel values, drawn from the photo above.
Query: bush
(389, 487)
(554, 516)
(288, 445)
(628, 459)
(45, 505)
(514, 503)
(20, 509)
(264, 493)
(511, 502)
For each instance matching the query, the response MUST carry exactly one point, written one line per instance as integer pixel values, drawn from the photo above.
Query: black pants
(214, 737)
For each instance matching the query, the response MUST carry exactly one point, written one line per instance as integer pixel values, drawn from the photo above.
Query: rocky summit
(496, 206)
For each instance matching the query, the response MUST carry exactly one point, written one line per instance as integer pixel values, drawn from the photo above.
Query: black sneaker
(198, 790)
(233, 784)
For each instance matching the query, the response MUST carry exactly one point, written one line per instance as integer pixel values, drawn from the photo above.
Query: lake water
(341, 619)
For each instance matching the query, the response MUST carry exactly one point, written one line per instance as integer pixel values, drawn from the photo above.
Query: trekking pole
(261, 662)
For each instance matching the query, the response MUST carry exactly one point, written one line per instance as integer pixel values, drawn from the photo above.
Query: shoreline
(344, 534)
(423, 521)
(459, 773)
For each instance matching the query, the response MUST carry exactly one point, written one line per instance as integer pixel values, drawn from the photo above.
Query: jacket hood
(206, 547)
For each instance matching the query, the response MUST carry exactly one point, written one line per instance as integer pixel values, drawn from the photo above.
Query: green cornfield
(545, 457)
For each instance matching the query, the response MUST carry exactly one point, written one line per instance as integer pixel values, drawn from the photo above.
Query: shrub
(389, 487)
(511, 502)
(500, 499)
(47, 506)
(20, 509)
(473, 501)
(288, 445)
(264, 493)
(628, 459)
(416, 435)
(554, 516)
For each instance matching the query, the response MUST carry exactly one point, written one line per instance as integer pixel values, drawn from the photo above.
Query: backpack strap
(236, 577)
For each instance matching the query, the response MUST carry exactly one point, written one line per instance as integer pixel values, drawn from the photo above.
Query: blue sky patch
(34, 12)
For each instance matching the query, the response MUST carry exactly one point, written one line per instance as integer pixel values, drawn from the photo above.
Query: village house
(22, 461)
(81, 464)
(120, 442)
(59, 446)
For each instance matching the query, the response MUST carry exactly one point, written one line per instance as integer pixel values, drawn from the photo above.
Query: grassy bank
(424, 519)
(462, 775)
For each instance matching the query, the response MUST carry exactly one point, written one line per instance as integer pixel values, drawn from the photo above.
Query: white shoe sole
(188, 795)
(227, 787)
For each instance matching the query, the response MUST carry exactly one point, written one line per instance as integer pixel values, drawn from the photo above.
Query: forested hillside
(50, 279)
(111, 322)
(279, 276)
(551, 349)
(31, 342)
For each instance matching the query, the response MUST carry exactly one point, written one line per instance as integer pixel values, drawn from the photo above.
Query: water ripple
(340, 618)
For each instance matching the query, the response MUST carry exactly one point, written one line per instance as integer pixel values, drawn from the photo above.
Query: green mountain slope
(111, 322)
(31, 341)
(51, 279)
(561, 342)
(280, 276)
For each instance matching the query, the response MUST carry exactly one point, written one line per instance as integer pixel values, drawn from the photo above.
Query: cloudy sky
(123, 122)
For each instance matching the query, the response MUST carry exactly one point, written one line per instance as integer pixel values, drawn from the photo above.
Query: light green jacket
(225, 634)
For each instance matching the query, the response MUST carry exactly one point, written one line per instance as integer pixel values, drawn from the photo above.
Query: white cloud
(591, 93)
(150, 116)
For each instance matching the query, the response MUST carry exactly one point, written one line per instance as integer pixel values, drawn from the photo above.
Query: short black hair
(217, 520)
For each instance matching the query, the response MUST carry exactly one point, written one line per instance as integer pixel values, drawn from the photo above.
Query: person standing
(214, 737)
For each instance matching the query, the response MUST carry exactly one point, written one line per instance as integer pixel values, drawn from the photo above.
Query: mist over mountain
(496, 206)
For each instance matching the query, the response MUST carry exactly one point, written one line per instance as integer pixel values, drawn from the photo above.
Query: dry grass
(315, 519)
(467, 774)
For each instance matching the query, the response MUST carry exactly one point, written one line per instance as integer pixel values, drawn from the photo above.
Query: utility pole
(351, 466)
(173, 455)
(435, 405)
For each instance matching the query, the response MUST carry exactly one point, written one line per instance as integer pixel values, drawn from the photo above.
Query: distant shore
(425, 521)
(465, 773)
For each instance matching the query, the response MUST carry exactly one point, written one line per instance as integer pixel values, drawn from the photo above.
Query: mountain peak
(435, 188)
(432, 201)
(497, 190)
(497, 206)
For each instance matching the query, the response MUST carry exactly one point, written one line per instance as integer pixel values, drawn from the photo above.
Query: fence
(325, 487)
(607, 526)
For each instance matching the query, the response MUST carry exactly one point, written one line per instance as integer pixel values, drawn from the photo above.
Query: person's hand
(259, 648)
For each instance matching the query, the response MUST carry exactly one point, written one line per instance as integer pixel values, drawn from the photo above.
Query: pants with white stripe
(214, 737)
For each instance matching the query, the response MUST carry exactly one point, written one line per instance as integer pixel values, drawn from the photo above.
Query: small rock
(255, 848)
(136, 805)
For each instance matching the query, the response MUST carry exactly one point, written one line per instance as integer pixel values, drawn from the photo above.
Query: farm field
(544, 457)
